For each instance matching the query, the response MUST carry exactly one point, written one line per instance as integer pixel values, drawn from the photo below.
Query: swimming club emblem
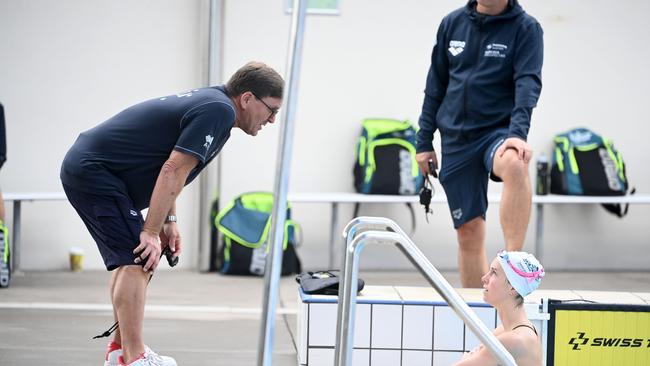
(456, 47)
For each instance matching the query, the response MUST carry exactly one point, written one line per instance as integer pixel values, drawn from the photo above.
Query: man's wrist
(149, 231)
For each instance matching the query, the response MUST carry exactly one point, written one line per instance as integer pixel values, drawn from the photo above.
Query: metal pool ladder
(380, 230)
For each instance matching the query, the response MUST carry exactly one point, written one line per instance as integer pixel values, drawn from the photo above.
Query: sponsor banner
(598, 334)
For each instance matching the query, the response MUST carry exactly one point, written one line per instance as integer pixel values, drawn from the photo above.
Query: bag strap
(356, 210)
(413, 222)
(297, 232)
(620, 210)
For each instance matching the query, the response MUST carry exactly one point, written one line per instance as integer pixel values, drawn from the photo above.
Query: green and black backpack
(245, 224)
(385, 161)
(587, 164)
(5, 257)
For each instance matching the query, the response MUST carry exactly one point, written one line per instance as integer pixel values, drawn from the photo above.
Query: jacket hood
(512, 10)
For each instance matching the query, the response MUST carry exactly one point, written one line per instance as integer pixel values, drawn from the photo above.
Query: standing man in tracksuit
(483, 83)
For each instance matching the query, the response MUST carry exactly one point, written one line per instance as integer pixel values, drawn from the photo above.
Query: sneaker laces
(152, 358)
(148, 357)
(153, 354)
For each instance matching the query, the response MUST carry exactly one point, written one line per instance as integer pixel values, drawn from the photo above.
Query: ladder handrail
(375, 222)
(348, 287)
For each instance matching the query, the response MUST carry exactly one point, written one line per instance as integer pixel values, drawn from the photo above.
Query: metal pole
(334, 223)
(343, 354)
(15, 240)
(274, 260)
(210, 180)
(346, 312)
(539, 232)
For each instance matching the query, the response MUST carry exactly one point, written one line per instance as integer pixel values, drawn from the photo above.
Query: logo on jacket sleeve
(456, 47)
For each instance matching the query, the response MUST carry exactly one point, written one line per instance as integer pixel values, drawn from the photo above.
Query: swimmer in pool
(511, 277)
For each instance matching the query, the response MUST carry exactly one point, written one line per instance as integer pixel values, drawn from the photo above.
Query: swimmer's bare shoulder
(524, 347)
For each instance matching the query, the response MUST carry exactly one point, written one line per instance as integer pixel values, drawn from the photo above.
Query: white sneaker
(113, 351)
(149, 358)
(114, 357)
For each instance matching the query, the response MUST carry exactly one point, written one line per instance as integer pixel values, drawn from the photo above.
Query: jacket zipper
(471, 73)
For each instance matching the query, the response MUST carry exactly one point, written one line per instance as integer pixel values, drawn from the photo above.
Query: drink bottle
(541, 186)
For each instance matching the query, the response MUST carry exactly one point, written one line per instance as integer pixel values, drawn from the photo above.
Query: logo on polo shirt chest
(208, 141)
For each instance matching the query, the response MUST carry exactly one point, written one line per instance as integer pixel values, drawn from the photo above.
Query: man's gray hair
(257, 78)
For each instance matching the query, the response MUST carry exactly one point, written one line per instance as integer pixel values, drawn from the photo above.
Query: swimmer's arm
(481, 356)
(499, 330)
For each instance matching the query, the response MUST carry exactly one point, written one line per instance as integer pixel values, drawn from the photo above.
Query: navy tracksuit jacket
(485, 74)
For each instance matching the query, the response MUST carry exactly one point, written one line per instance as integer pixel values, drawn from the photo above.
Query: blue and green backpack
(5, 257)
(588, 164)
(245, 224)
(385, 161)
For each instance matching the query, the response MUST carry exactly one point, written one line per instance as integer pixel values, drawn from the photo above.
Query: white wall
(372, 61)
(66, 66)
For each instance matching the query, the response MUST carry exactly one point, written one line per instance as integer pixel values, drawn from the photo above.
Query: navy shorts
(112, 221)
(464, 176)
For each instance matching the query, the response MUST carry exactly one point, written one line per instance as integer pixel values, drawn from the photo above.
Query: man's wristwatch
(171, 218)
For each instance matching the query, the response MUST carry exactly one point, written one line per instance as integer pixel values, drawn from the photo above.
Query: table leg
(15, 238)
(539, 232)
(334, 224)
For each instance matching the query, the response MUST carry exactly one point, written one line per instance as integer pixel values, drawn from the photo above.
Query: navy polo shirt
(125, 153)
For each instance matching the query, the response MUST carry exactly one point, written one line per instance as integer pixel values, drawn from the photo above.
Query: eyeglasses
(273, 111)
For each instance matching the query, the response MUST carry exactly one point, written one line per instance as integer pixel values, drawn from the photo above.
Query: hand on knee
(512, 168)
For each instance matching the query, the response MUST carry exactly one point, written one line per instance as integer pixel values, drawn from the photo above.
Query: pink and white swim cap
(523, 270)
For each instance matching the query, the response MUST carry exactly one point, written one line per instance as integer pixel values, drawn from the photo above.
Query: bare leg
(117, 337)
(515, 199)
(128, 301)
(472, 261)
